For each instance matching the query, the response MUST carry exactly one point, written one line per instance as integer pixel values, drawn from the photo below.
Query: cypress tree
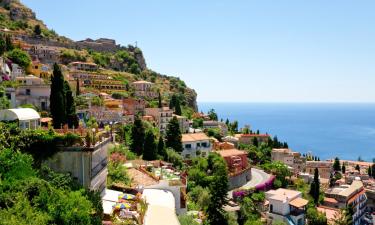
(343, 169)
(71, 115)
(255, 142)
(173, 135)
(8, 43)
(37, 30)
(57, 98)
(332, 180)
(161, 147)
(177, 108)
(3, 46)
(138, 136)
(172, 102)
(373, 170)
(357, 168)
(159, 98)
(315, 187)
(78, 91)
(369, 171)
(336, 165)
(150, 151)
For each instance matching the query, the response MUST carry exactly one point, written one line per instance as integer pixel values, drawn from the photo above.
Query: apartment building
(292, 159)
(83, 66)
(161, 116)
(324, 167)
(144, 89)
(195, 144)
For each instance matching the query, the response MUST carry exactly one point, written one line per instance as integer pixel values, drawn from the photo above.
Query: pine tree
(336, 165)
(71, 115)
(57, 98)
(159, 98)
(227, 122)
(173, 135)
(161, 147)
(369, 171)
(150, 150)
(138, 136)
(315, 187)
(343, 169)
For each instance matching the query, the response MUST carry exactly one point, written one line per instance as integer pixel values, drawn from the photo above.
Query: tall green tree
(150, 150)
(8, 43)
(78, 91)
(71, 114)
(336, 165)
(37, 30)
(173, 135)
(357, 168)
(4, 101)
(137, 136)
(57, 98)
(212, 114)
(177, 108)
(315, 187)
(161, 147)
(172, 101)
(159, 100)
(343, 169)
(3, 46)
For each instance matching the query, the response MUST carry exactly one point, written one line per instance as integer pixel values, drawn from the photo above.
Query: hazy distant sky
(255, 51)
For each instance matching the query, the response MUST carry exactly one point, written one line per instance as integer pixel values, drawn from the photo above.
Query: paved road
(257, 177)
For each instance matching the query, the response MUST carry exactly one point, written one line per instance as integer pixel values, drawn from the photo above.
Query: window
(198, 144)
(188, 146)
(28, 92)
(271, 208)
(204, 144)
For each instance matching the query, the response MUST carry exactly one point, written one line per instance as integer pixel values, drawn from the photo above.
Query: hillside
(126, 63)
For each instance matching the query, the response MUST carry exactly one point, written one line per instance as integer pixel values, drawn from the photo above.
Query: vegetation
(315, 187)
(19, 57)
(280, 170)
(137, 136)
(336, 165)
(150, 150)
(173, 135)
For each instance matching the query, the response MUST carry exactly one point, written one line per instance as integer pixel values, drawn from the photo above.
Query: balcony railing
(99, 167)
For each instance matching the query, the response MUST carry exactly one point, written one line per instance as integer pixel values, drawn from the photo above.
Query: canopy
(122, 206)
(20, 114)
(126, 196)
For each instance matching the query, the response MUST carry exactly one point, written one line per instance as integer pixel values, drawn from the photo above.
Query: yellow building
(39, 70)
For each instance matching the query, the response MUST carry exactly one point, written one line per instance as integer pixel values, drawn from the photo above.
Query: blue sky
(241, 51)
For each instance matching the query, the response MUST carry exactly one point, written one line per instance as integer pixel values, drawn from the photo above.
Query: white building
(195, 143)
(216, 125)
(287, 206)
(27, 118)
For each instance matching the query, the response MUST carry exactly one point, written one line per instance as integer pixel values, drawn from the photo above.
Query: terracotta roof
(356, 196)
(194, 137)
(331, 213)
(45, 119)
(231, 152)
(331, 200)
(298, 202)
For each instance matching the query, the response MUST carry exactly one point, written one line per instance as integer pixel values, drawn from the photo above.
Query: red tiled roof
(231, 152)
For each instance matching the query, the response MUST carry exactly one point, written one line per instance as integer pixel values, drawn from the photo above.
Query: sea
(327, 130)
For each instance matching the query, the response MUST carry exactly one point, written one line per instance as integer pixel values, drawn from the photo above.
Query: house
(238, 167)
(38, 69)
(247, 139)
(17, 71)
(324, 167)
(162, 116)
(183, 122)
(84, 66)
(144, 89)
(213, 124)
(223, 145)
(87, 164)
(287, 206)
(27, 118)
(353, 195)
(133, 106)
(195, 144)
(292, 159)
(45, 54)
(31, 90)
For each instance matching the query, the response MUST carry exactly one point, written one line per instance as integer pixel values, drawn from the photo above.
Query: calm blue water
(325, 129)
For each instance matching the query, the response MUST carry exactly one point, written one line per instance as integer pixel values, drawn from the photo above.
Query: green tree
(150, 150)
(8, 43)
(343, 169)
(57, 98)
(177, 108)
(4, 101)
(137, 136)
(336, 165)
(78, 91)
(159, 100)
(173, 135)
(280, 170)
(172, 101)
(161, 147)
(71, 115)
(212, 114)
(315, 187)
(332, 180)
(37, 30)
(3, 46)
(315, 218)
(19, 57)
(357, 168)
(369, 171)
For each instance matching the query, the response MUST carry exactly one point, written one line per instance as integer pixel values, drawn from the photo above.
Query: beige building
(195, 144)
(31, 90)
(248, 138)
(324, 167)
(45, 54)
(183, 122)
(345, 195)
(161, 116)
(144, 89)
(286, 205)
(83, 66)
(293, 160)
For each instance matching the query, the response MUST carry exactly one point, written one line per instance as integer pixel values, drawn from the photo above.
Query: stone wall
(240, 179)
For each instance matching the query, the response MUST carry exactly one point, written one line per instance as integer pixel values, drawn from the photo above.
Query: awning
(298, 202)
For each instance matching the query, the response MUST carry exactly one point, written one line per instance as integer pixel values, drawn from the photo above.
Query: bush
(19, 57)
(174, 158)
